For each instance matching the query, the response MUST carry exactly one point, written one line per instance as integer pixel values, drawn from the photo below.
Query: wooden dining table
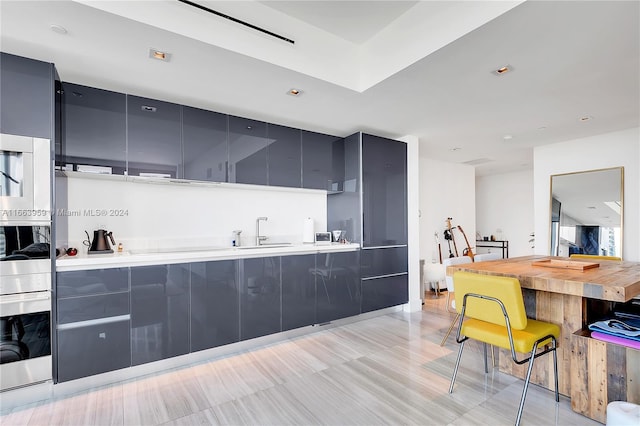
(573, 293)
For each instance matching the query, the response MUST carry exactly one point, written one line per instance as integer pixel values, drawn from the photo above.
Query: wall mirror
(587, 212)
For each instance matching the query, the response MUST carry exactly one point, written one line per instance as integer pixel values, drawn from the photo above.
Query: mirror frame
(621, 169)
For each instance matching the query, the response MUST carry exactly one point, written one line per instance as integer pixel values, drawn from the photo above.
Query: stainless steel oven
(25, 176)
(25, 304)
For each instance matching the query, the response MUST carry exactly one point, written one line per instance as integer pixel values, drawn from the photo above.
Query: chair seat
(523, 340)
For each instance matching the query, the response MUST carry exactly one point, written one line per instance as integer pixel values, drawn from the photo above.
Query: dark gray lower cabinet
(383, 292)
(215, 304)
(298, 291)
(337, 285)
(260, 307)
(159, 312)
(89, 350)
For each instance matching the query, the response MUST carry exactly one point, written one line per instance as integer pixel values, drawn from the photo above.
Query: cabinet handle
(89, 323)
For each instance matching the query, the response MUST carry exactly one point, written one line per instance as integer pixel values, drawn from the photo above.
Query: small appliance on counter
(100, 243)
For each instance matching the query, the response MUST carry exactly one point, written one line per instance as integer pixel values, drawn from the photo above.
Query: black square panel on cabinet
(154, 138)
(204, 138)
(94, 128)
(247, 151)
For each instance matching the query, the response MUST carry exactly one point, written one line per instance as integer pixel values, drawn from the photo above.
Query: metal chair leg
(526, 383)
(455, 370)
(486, 366)
(446, 336)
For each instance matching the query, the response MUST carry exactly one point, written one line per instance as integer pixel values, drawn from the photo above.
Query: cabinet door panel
(159, 312)
(154, 135)
(298, 291)
(204, 136)
(378, 293)
(95, 349)
(260, 294)
(247, 151)
(337, 285)
(84, 308)
(384, 180)
(285, 158)
(383, 261)
(319, 155)
(92, 281)
(27, 96)
(215, 304)
(94, 129)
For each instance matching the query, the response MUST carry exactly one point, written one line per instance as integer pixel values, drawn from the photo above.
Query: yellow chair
(593, 257)
(492, 311)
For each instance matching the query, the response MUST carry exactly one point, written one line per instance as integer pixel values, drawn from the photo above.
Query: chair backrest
(487, 256)
(454, 261)
(594, 257)
(506, 289)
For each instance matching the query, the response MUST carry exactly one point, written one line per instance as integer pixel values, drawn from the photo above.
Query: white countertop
(83, 261)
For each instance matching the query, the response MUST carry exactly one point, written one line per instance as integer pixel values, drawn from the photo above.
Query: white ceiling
(392, 69)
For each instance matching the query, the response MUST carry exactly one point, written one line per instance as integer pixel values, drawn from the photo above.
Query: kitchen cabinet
(247, 151)
(159, 312)
(384, 292)
(154, 138)
(383, 261)
(322, 161)
(298, 291)
(337, 285)
(384, 192)
(88, 350)
(94, 128)
(284, 156)
(27, 88)
(260, 292)
(92, 322)
(215, 304)
(204, 140)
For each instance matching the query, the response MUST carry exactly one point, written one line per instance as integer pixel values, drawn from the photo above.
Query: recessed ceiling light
(58, 29)
(585, 118)
(294, 92)
(502, 70)
(159, 55)
(507, 137)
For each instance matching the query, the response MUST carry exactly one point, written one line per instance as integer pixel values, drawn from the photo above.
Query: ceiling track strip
(237, 21)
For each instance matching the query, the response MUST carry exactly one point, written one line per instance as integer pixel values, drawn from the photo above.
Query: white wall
(446, 190)
(179, 215)
(504, 208)
(596, 152)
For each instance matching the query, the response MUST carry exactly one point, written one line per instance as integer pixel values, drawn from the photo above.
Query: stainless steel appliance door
(25, 339)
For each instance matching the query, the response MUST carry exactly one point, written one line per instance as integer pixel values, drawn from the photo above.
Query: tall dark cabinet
(384, 223)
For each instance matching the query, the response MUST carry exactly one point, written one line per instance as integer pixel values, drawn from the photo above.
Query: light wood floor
(386, 370)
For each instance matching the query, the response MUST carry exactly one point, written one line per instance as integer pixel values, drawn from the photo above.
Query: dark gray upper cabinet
(322, 161)
(27, 88)
(159, 312)
(343, 207)
(154, 135)
(384, 189)
(285, 157)
(247, 151)
(204, 141)
(94, 127)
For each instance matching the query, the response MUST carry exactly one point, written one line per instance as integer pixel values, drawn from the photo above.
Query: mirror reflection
(586, 213)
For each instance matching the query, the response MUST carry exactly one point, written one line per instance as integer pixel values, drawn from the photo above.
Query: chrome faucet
(260, 238)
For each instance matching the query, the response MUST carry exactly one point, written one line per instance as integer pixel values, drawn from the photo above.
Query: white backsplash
(148, 215)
